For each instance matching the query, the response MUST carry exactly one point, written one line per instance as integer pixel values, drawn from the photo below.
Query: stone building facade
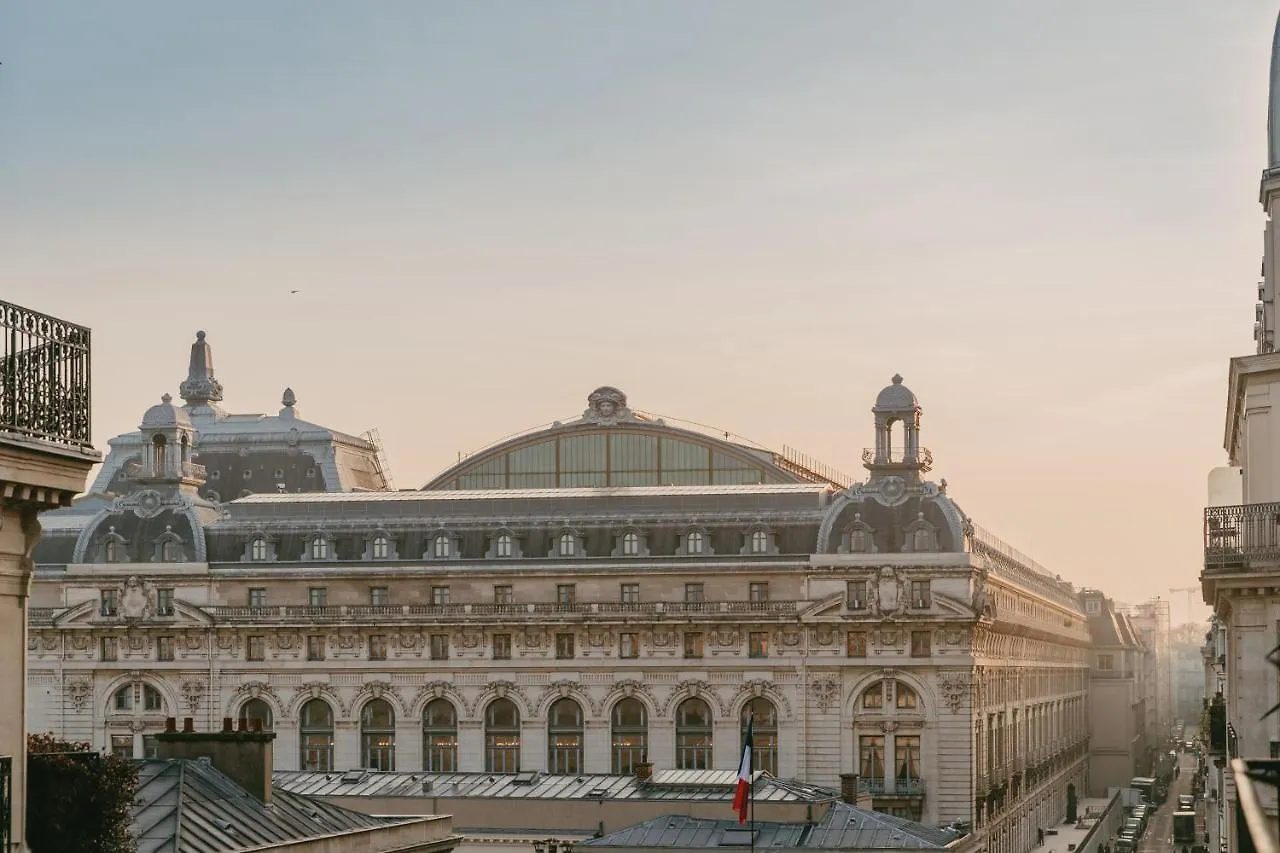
(1121, 736)
(607, 593)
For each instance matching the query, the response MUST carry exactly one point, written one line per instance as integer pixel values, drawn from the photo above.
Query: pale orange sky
(745, 214)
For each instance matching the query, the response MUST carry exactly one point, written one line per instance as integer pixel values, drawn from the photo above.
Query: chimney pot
(170, 724)
(226, 724)
(188, 724)
(242, 725)
(849, 788)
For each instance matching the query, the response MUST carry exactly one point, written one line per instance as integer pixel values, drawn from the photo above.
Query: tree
(78, 800)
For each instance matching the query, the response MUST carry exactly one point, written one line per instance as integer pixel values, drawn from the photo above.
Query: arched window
(147, 699)
(630, 735)
(161, 462)
(111, 550)
(693, 735)
(316, 729)
(873, 697)
(170, 551)
(905, 697)
(693, 542)
(440, 737)
(630, 544)
(381, 548)
(564, 737)
(502, 737)
(378, 735)
(759, 542)
(257, 709)
(319, 548)
(258, 550)
(764, 734)
(502, 545)
(441, 546)
(568, 545)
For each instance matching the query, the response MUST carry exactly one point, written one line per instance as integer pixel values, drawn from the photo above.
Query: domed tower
(904, 458)
(168, 444)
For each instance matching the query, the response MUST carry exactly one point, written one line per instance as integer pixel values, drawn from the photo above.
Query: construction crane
(1189, 590)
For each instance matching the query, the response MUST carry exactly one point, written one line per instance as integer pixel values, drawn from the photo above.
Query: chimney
(849, 793)
(245, 756)
(644, 770)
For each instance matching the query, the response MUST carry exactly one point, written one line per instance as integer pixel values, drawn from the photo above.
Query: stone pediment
(829, 606)
(952, 606)
(86, 614)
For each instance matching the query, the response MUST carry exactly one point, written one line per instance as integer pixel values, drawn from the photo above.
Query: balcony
(870, 786)
(1235, 537)
(44, 377)
(576, 611)
(908, 787)
(899, 456)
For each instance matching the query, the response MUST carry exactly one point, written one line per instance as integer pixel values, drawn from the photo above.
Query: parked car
(1186, 802)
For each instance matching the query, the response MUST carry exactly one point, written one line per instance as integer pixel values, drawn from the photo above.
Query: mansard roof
(614, 445)
(305, 455)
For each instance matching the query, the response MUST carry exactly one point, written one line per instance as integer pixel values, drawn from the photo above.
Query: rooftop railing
(44, 377)
(921, 456)
(1234, 536)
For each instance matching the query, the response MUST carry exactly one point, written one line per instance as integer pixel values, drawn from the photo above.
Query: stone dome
(165, 414)
(896, 397)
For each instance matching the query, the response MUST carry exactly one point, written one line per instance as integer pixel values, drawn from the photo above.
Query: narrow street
(1159, 835)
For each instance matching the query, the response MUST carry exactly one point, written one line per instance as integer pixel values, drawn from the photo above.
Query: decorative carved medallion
(607, 406)
(137, 599)
(192, 693)
(78, 690)
(825, 691)
(954, 686)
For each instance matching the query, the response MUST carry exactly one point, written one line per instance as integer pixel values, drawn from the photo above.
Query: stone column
(34, 476)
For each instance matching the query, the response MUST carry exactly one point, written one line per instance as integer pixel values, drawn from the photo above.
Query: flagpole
(751, 783)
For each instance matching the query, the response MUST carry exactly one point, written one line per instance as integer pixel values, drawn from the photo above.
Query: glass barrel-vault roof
(614, 446)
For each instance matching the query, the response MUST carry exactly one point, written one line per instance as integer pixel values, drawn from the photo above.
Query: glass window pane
(535, 459)
(582, 453)
(632, 452)
(583, 480)
(685, 478)
(533, 481)
(682, 456)
(635, 478)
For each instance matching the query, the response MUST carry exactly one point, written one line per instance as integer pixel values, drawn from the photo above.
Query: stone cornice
(542, 521)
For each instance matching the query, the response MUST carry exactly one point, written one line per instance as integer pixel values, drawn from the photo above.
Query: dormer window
(502, 545)
(259, 551)
(170, 551)
(381, 548)
(630, 544)
(319, 548)
(759, 542)
(111, 551)
(694, 542)
(442, 547)
(568, 545)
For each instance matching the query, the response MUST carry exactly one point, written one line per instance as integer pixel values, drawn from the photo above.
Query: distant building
(1120, 739)
(611, 591)
(1186, 665)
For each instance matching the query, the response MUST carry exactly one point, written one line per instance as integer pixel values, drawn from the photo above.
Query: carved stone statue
(137, 600)
(981, 601)
(607, 406)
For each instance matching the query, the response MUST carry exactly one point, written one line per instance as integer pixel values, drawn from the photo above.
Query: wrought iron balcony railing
(921, 456)
(44, 377)
(1235, 536)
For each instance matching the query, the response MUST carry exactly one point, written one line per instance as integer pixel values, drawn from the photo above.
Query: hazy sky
(748, 214)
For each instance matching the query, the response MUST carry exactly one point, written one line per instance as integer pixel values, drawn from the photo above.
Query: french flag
(742, 796)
